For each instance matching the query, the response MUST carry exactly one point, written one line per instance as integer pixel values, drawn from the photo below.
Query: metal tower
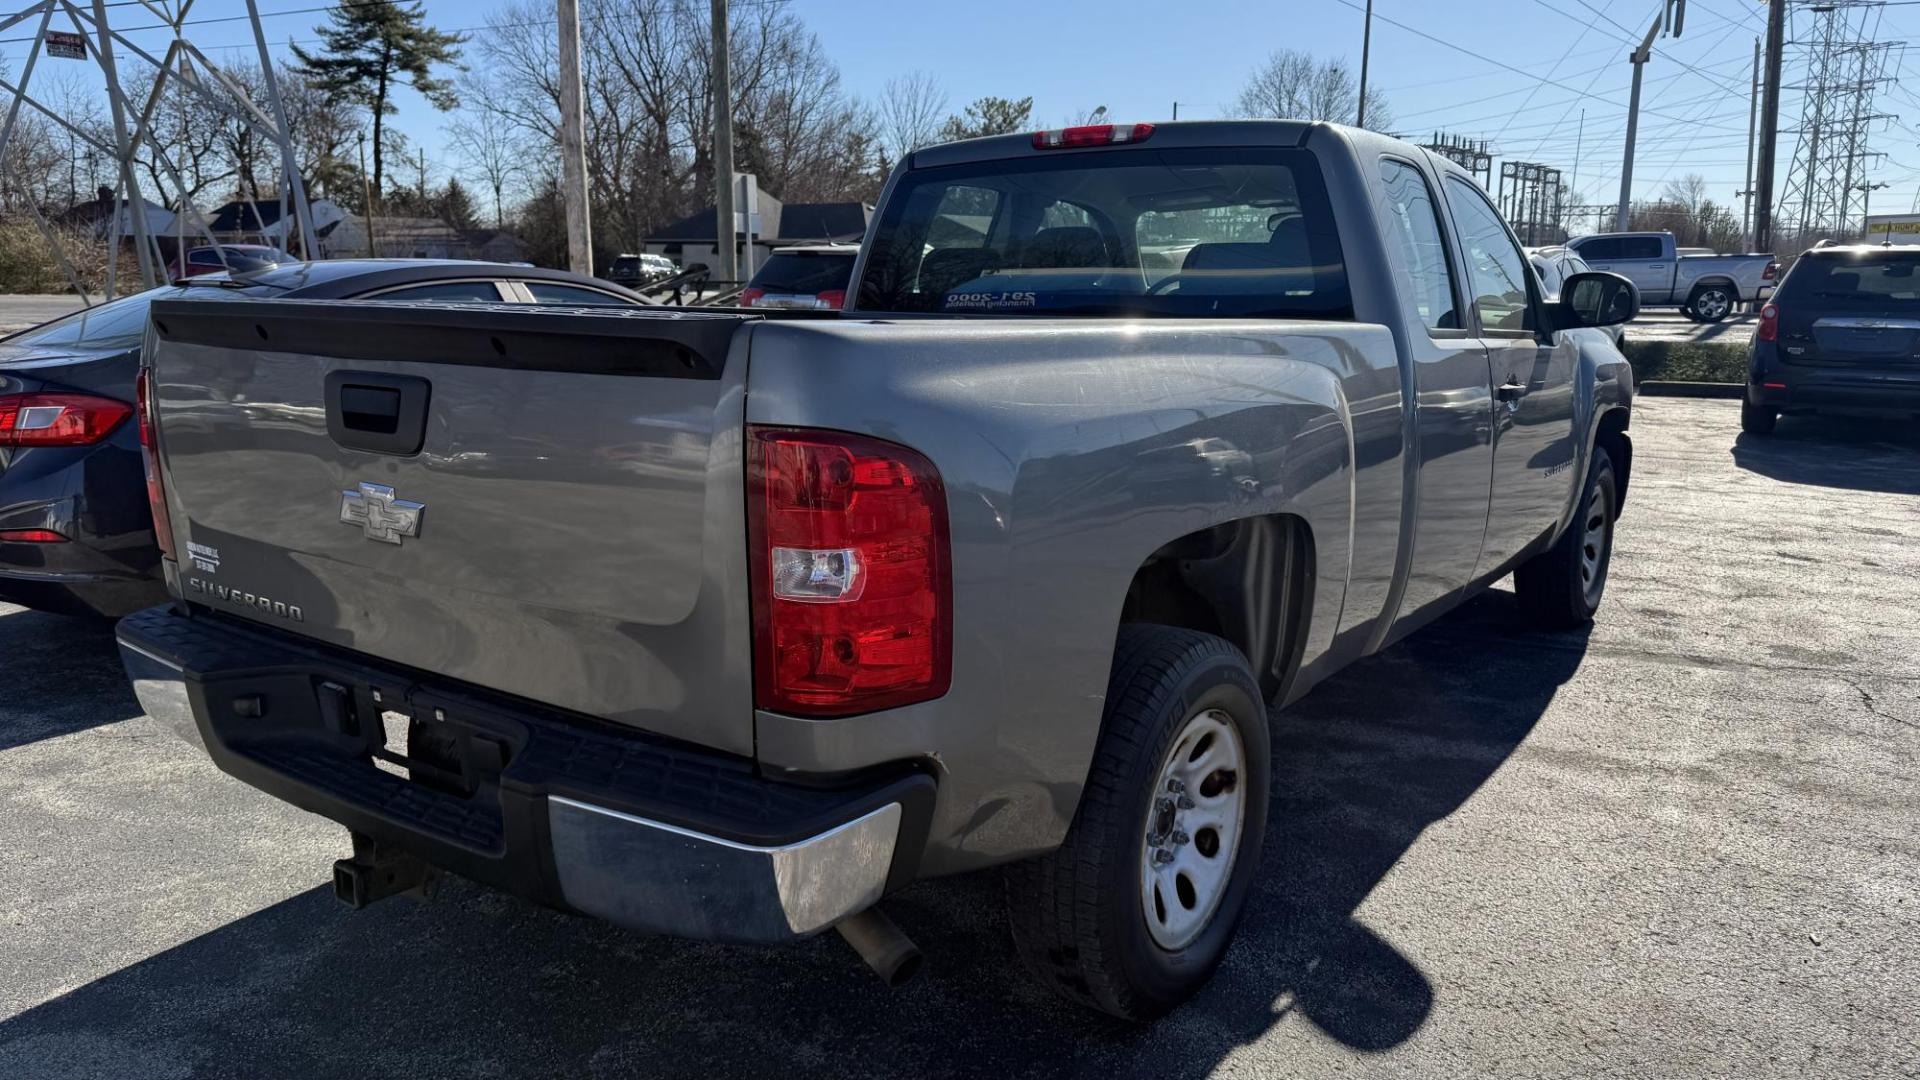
(183, 69)
(1844, 69)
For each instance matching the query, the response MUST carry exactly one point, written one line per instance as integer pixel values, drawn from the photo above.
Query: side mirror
(1596, 298)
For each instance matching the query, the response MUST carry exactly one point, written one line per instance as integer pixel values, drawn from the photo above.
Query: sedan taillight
(43, 419)
(851, 569)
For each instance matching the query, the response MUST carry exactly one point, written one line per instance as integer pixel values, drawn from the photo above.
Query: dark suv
(1841, 335)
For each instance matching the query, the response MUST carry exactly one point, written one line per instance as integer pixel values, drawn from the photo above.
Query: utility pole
(1769, 127)
(1639, 60)
(1671, 17)
(1366, 46)
(1753, 108)
(366, 198)
(573, 146)
(1866, 203)
(723, 148)
(1579, 136)
(1176, 110)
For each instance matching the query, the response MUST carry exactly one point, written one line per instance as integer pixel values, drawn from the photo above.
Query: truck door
(1452, 396)
(1533, 409)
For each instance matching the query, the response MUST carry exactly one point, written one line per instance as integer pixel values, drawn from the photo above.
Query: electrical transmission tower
(1533, 199)
(1844, 67)
(1472, 155)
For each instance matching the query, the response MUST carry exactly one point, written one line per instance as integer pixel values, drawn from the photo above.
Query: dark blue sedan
(75, 532)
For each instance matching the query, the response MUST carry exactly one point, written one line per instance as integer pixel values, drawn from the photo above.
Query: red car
(238, 257)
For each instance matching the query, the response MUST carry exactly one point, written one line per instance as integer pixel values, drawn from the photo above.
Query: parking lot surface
(1683, 843)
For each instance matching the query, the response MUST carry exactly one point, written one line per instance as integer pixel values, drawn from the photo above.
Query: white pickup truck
(1706, 288)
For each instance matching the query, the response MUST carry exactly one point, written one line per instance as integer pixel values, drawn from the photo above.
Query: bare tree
(1294, 85)
(490, 157)
(912, 107)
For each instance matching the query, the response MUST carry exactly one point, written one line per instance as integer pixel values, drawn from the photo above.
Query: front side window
(1496, 269)
(1413, 225)
(1600, 249)
(1180, 232)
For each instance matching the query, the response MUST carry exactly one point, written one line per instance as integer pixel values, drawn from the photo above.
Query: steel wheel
(1593, 545)
(1193, 831)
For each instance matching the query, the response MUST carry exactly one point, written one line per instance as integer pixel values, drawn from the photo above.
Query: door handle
(1510, 390)
(1656, 266)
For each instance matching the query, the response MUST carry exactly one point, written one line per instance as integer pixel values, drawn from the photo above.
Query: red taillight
(1091, 135)
(832, 298)
(1769, 328)
(31, 536)
(751, 296)
(150, 458)
(58, 419)
(1772, 271)
(851, 570)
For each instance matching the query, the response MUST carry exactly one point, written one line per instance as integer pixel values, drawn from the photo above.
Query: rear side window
(1642, 247)
(445, 292)
(1188, 232)
(547, 292)
(1878, 280)
(1413, 225)
(805, 272)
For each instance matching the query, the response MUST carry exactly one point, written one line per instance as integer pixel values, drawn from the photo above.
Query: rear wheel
(1132, 914)
(1758, 419)
(1711, 303)
(1562, 586)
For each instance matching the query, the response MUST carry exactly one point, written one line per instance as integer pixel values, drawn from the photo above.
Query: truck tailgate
(545, 502)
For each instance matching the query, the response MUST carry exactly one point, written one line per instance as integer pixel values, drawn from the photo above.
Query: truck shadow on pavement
(1837, 452)
(479, 983)
(58, 675)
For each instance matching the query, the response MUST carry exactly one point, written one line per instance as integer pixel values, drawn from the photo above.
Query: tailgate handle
(377, 412)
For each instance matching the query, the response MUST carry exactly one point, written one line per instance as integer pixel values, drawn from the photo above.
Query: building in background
(1900, 230)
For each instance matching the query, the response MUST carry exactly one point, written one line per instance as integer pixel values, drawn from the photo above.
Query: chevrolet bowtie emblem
(379, 514)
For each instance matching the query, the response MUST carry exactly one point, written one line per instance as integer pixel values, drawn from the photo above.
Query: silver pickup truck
(1706, 288)
(727, 625)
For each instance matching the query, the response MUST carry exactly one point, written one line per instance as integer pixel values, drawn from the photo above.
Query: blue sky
(1518, 72)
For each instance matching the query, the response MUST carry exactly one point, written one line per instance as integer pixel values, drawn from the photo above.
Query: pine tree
(988, 116)
(369, 47)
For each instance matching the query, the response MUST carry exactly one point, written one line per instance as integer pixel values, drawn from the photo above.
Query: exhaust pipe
(883, 945)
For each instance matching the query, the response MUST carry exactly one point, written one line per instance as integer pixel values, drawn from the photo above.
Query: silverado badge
(379, 514)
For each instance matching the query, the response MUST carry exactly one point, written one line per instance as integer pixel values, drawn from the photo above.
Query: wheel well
(1249, 581)
(1704, 282)
(1612, 434)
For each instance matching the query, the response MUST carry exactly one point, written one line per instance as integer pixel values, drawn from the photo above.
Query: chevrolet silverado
(727, 625)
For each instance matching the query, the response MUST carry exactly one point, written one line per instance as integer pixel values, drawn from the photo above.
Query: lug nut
(1181, 837)
(1161, 856)
(1176, 785)
(1186, 802)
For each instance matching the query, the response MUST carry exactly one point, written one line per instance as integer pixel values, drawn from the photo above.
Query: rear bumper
(567, 811)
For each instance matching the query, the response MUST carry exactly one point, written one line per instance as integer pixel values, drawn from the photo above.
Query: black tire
(1562, 587)
(1758, 419)
(1078, 915)
(1719, 300)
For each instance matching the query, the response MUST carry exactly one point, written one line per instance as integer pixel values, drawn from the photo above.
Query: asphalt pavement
(20, 311)
(1683, 843)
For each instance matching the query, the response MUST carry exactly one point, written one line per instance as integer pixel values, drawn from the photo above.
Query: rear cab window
(1203, 233)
